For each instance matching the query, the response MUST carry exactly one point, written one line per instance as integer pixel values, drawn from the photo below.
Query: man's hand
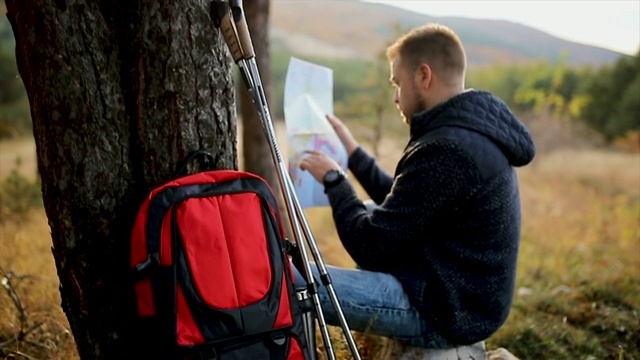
(318, 164)
(344, 134)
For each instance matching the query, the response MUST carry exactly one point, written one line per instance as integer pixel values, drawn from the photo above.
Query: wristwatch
(332, 178)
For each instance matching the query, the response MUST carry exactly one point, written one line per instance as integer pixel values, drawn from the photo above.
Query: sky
(610, 24)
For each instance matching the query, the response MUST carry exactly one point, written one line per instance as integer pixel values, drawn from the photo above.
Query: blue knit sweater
(448, 221)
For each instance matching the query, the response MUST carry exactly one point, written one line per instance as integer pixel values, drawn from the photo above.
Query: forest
(605, 99)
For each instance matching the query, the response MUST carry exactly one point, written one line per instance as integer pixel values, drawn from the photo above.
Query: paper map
(308, 98)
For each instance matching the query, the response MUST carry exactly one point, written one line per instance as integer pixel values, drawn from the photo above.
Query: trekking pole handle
(221, 13)
(229, 16)
(242, 28)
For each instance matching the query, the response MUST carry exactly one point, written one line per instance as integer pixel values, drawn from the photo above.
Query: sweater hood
(482, 112)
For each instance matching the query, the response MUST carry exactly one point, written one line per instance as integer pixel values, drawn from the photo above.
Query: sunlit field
(578, 289)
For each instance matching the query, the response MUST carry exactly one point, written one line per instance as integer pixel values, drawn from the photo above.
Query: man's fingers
(309, 161)
(303, 165)
(334, 121)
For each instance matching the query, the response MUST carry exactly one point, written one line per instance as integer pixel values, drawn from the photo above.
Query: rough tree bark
(255, 146)
(120, 91)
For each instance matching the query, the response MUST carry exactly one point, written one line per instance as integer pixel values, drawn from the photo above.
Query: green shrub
(18, 194)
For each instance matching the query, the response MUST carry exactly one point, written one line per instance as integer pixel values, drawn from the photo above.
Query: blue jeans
(374, 303)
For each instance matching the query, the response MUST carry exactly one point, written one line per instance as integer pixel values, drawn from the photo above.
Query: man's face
(407, 95)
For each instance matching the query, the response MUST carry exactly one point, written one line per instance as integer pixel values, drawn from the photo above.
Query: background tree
(382, 92)
(12, 93)
(11, 88)
(119, 92)
(614, 105)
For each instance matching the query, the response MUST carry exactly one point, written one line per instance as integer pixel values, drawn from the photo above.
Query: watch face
(331, 176)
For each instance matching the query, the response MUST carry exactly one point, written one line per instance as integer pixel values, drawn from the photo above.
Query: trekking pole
(233, 26)
(230, 19)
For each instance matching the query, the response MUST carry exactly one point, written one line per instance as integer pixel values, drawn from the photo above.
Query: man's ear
(424, 76)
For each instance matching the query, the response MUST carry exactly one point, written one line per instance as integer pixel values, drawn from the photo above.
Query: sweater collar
(421, 122)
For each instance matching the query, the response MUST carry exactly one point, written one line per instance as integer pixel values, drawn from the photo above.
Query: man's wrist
(333, 177)
(351, 148)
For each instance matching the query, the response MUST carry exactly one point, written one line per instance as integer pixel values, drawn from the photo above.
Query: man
(438, 254)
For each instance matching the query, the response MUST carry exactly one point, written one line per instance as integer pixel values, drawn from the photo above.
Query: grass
(578, 285)
(579, 288)
(27, 265)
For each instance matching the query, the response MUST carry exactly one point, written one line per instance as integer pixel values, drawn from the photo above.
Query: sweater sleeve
(432, 179)
(375, 181)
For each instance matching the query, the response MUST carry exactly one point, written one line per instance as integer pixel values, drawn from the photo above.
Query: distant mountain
(351, 28)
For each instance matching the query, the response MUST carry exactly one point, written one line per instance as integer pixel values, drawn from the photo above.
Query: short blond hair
(434, 44)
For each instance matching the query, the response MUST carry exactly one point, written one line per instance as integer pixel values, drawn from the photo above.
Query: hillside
(351, 28)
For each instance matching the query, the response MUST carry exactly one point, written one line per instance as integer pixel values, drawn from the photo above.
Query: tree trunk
(120, 92)
(255, 146)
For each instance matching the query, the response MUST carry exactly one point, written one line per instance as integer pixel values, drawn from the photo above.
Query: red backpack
(209, 253)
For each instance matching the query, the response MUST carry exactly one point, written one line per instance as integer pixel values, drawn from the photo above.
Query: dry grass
(579, 202)
(20, 151)
(578, 280)
(27, 267)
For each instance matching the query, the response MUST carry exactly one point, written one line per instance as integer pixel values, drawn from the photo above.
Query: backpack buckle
(150, 264)
(290, 248)
(278, 338)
